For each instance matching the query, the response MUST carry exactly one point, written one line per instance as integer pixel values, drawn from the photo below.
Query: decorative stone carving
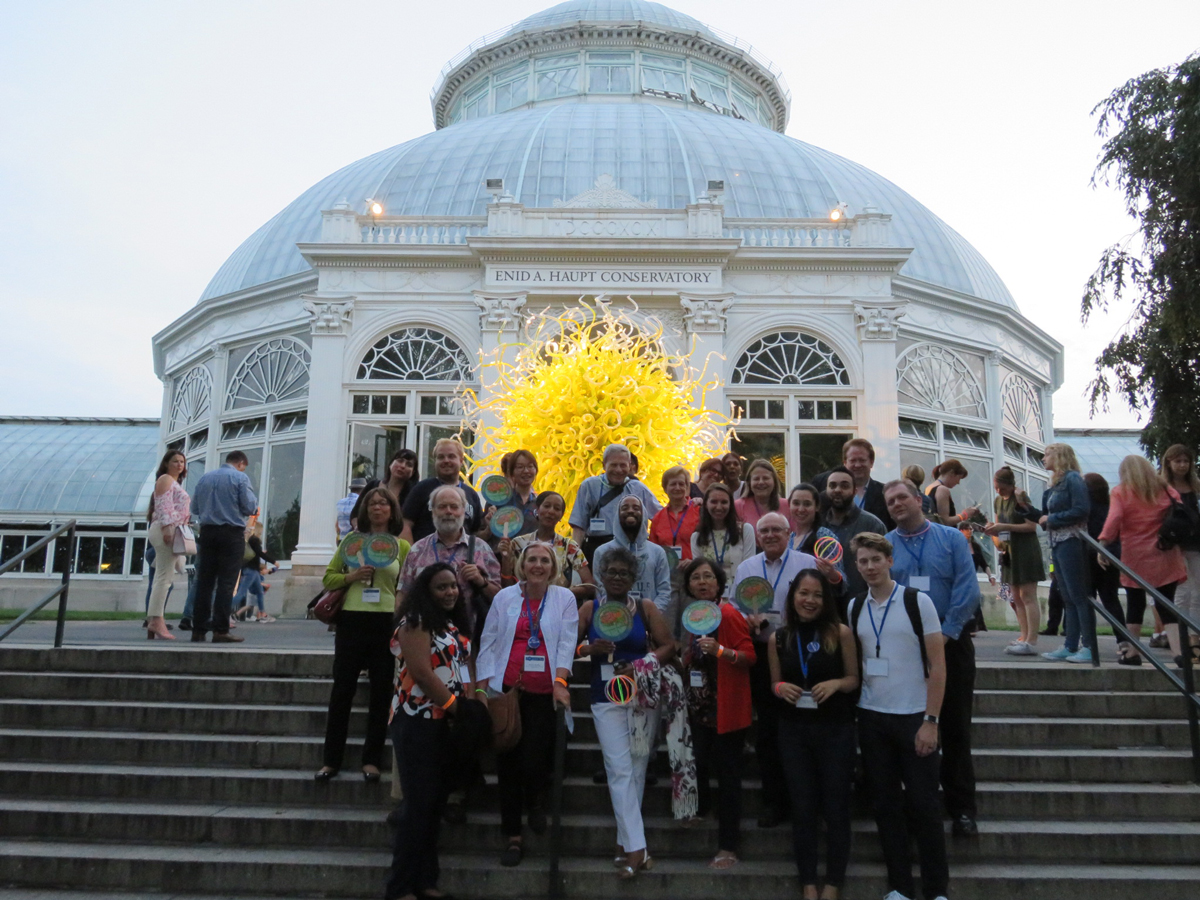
(879, 323)
(605, 195)
(329, 316)
(705, 315)
(498, 313)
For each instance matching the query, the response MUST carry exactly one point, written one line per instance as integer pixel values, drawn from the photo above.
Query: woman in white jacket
(528, 645)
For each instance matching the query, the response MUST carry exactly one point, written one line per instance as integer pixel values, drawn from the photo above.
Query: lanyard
(859, 501)
(782, 566)
(535, 626)
(679, 524)
(887, 608)
(720, 554)
(449, 559)
(812, 647)
(799, 539)
(904, 542)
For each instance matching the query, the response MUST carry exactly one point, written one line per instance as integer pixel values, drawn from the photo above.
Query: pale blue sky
(141, 142)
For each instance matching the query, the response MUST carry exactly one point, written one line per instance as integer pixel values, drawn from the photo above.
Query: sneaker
(1083, 655)
(1020, 648)
(896, 895)
(265, 619)
(1159, 640)
(1061, 653)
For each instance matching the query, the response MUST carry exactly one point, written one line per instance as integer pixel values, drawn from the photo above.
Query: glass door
(819, 452)
(769, 445)
(371, 446)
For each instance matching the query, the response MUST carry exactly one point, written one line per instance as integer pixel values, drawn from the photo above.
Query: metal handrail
(556, 888)
(1186, 685)
(60, 592)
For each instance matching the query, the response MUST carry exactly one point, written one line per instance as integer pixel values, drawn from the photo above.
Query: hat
(358, 484)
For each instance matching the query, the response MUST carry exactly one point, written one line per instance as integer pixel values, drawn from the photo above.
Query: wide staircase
(190, 771)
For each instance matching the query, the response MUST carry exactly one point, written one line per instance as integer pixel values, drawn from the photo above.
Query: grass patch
(81, 615)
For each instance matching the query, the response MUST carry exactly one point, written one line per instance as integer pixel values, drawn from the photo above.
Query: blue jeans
(251, 586)
(1071, 573)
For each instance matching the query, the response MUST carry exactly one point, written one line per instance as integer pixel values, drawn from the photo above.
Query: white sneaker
(896, 895)
(1021, 648)
(940, 897)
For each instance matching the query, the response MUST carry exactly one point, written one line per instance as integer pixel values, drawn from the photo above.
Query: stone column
(500, 321)
(324, 448)
(879, 411)
(216, 405)
(995, 404)
(704, 317)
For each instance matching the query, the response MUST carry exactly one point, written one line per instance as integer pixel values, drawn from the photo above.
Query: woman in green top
(362, 640)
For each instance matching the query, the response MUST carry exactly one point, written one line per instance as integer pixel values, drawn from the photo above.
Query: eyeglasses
(703, 576)
(624, 574)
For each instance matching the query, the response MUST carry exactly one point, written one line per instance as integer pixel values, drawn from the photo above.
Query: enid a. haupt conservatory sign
(605, 276)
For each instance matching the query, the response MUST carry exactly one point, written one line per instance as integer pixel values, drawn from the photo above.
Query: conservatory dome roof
(660, 150)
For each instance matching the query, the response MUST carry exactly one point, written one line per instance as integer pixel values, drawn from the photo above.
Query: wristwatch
(933, 720)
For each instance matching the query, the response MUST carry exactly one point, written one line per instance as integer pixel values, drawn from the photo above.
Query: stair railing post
(1189, 682)
(60, 626)
(556, 887)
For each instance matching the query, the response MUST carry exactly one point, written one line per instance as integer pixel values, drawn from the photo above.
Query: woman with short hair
(362, 638)
(169, 510)
(520, 467)
(672, 526)
(528, 646)
(720, 535)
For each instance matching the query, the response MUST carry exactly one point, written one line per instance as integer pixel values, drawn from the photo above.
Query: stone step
(583, 835)
(357, 873)
(303, 752)
(295, 719)
(1087, 704)
(256, 662)
(1101, 801)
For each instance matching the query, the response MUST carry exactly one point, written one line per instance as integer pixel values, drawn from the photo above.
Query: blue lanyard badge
(782, 567)
(679, 524)
(887, 608)
(449, 559)
(720, 554)
(535, 625)
(812, 647)
(859, 501)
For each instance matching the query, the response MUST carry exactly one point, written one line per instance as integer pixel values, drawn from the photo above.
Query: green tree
(1151, 127)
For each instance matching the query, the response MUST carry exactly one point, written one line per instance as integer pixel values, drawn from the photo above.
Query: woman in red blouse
(672, 526)
(719, 705)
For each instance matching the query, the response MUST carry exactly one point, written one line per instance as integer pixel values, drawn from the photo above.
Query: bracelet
(562, 681)
(720, 650)
(735, 657)
(450, 702)
(481, 691)
(775, 688)
(579, 649)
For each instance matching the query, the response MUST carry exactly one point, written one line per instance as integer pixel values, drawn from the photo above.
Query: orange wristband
(561, 681)
(579, 649)
(450, 702)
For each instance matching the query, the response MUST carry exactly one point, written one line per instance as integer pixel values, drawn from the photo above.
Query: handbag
(328, 605)
(505, 711)
(184, 542)
(1180, 527)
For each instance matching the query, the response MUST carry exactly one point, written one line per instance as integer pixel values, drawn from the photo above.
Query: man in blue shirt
(936, 560)
(220, 504)
(594, 516)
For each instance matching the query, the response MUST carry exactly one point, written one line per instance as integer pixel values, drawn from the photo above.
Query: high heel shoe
(627, 871)
(151, 635)
(370, 777)
(324, 774)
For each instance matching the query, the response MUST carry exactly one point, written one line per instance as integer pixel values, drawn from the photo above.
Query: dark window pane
(112, 557)
(283, 499)
(808, 409)
(62, 554)
(758, 409)
(820, 453)
(36, 562)
(87, 560)
(762, 445)
(175, 445)
(11, 546)
(360, 404)
(774, 409)
(845, 410)
(137, 562)
(429, 406)
(399, 404)
(825, 410)
(378, 405)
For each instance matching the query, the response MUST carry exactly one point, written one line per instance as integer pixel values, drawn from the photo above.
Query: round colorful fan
(614, 621)
(352, 549)
(701, 618)
(507, 521)
(380, 551)
(495, 490)
(754, 595)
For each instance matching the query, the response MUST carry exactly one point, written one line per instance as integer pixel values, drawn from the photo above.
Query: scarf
(661, 687)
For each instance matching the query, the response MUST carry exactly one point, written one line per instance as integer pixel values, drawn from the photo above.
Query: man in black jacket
(859, 457)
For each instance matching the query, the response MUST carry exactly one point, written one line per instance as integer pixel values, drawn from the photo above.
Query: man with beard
(654, 574)
(858, 458)
(845, 519)
(448, 458)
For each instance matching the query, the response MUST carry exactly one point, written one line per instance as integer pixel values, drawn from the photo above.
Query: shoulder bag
(505, 710)
(328, 605)
(184, 542)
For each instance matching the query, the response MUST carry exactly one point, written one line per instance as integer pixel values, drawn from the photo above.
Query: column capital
(705, 313)
(329, 314)
(500, 311)
(878, 321)
(994, 357)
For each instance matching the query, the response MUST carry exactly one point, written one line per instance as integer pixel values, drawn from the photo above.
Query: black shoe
(1046, 632)
(185, 624)
(198, 637)
(512, 855)
(393, 818)
(600, 777)
(455, 814)
(370, 777)
(770, 818)
(537, 821)
(964, 826)
(325, 774)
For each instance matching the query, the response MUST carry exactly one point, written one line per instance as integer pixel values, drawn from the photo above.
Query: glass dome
(617, 11)
(658, 153)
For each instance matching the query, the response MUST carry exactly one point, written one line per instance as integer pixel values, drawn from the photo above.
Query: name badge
(606, 672)
(876, 666)
(1006, 535)
(806, 701)
(696, 678)
(773, 617)
(597, 526)
(919, 582)
(635, 596)
(370, 595)
(535, 663)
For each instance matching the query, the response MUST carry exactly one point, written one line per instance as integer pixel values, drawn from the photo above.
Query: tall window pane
(283, 499)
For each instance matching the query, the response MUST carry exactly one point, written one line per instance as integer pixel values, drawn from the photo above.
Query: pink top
(749, 510)
(172, 507)
(1135, 524)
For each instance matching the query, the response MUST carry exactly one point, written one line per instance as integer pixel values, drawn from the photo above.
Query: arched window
(1022, 407)
(190, 402)
(936, 378)
(790, 358)
(416, 354)
(275, 371)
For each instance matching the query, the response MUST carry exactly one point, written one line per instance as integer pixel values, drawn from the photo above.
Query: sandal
(722, 863)
(628, 872)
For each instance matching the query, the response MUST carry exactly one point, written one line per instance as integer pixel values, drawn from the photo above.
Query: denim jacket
(1067, 505)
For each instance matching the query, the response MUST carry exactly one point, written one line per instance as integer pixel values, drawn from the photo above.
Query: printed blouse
(448, 654)
(172, 507)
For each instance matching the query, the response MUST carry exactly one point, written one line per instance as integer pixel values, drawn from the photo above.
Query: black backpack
(911, 607)
(1181, 526)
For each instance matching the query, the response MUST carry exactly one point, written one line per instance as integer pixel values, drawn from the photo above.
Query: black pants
(420, 751)
(1106, 584)
(219, 559)
(361, 642)
(820, 776)
(766, 743)
(890, 762)
(1054, 608)
(524, 771)
(1136, 601)
(721, 755)
(958, 771)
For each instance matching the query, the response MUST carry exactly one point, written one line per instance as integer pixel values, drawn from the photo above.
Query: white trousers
(1187, 595)
(164, 570)
(626, 774)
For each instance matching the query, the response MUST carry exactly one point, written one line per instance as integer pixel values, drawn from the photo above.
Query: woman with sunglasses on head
(718, 691)
(814, 673)
(720, 535)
